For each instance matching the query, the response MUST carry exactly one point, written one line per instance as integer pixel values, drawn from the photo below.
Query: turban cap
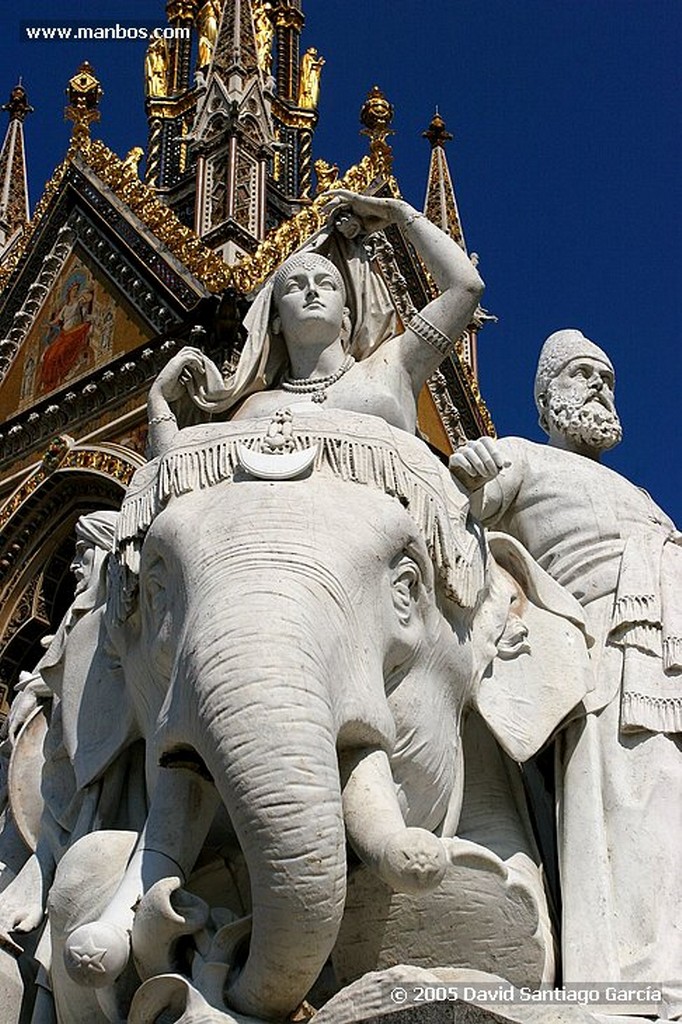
(560, 349)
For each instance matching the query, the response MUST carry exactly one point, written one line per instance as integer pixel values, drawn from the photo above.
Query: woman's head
(306, 261)
(309, 301)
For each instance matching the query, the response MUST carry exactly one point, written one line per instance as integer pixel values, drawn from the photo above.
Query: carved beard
(591, 424)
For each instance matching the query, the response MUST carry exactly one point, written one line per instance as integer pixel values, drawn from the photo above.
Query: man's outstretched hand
(477, 463)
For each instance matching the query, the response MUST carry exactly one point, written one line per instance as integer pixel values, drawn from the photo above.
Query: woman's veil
(264, 358)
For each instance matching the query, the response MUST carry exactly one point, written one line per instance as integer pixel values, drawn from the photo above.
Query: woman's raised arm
(432, 332)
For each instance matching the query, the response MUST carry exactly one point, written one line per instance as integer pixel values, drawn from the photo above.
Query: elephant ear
(541, 671)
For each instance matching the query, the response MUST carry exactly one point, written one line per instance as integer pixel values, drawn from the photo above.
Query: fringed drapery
(357, 449)
(647, 624)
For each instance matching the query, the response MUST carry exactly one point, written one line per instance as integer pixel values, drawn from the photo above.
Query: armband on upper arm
(434, 337)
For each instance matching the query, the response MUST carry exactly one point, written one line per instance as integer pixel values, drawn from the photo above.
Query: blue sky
(566, 160)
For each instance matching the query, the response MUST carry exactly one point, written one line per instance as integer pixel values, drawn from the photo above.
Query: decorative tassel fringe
(672, 654)
(385, 463)
(646, 637)
(652, 714)
(637, 608)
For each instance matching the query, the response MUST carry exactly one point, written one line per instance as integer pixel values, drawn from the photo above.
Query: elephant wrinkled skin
(322, 637)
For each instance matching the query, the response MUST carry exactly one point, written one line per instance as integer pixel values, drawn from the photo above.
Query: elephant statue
(324, 614)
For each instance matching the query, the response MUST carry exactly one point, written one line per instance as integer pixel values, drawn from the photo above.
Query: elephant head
(315, 615)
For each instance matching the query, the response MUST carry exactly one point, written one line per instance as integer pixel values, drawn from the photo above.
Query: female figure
(209, 18)
(303, 355)
(265, 31)
(70, 326)
(156, 69)
(311, 71)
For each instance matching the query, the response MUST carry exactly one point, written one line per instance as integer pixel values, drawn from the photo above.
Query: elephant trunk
(264, 723)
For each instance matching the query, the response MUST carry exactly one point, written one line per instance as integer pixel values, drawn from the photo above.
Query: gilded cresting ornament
(181, 10)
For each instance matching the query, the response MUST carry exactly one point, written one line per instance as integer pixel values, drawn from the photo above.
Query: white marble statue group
(284, 719)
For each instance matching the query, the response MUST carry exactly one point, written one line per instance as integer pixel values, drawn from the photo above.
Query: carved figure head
(94, 540)
(574, 387)
(302, 261)
(309, 299)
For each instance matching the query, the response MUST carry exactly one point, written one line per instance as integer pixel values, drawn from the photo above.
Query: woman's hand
(374, 214)
(187, 366)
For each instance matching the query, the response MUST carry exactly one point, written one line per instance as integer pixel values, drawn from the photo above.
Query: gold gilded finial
(437, 133)
(84, 92)
(377, 115)
(181, 10)
(18, 106)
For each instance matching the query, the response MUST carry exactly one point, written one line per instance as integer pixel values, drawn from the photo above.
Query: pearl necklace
(316, 387)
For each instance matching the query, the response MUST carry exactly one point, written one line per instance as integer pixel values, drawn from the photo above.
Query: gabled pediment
(219, 113)
(74, 326)
(214, 112)
(254, 116)
(95, 284)
(108, 274)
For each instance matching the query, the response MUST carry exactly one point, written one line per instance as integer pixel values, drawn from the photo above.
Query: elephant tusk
(8, 944)
(284, 466)
(227, 938)
(466, 854)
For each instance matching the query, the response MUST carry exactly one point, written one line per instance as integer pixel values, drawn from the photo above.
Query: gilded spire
(440, 205)
(84, 92)
(227, 40)
(14, 209)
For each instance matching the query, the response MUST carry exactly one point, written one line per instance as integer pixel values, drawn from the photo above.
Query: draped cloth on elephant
(359, 449)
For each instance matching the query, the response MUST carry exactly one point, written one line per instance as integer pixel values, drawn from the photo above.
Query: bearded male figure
(619, 766)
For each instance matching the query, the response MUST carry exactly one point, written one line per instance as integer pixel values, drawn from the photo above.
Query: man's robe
(619, 766)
